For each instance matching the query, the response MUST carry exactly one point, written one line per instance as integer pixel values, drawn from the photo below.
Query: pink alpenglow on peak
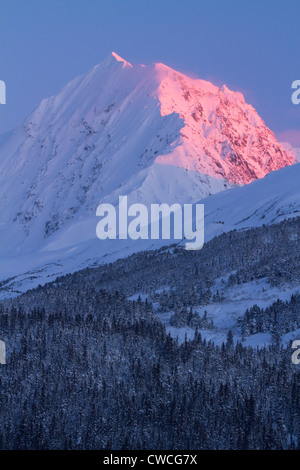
(222, 135)
(119, 59)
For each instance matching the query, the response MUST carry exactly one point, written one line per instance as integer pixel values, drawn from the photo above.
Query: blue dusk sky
(251, 45)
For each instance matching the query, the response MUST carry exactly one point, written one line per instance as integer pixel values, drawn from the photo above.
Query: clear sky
(251, 45)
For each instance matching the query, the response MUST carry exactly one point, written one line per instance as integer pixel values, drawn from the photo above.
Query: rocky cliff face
(222, 135)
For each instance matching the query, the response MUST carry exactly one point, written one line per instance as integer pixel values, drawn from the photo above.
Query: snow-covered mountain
(151, 133)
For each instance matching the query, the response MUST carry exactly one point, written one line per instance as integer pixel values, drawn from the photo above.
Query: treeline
(177, 278)
(278, 319)
(186, 317)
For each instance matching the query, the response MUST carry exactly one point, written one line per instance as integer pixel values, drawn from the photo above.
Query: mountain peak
(120, 59)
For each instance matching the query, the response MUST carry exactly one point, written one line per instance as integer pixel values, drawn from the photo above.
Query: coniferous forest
(90, 368)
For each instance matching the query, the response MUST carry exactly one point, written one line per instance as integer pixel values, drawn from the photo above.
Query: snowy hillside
(266, 201)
